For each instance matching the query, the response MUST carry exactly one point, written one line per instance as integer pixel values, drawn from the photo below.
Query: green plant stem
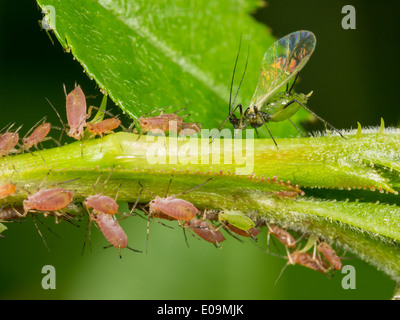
(367, 162)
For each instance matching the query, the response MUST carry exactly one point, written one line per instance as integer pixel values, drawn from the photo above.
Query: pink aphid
(282, 235)
(103, 127)
(8, 141)
(308, 260)
(38, 135)
(76, 113)
(164, 122)
(111, 230)
(206, 231)
(7, 189)
(48, 200)
(101, 203)
(177, 209)
(330, 255)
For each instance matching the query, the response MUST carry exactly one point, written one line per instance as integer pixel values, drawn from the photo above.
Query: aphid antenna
(67, 181)
(187, 191)
(149, 192)
(59, 117)
(315, 115)
(7, 127)
(40, 233)
(231, 107)
(169, 184)
(297, 128)
(41, 121)
(136, 203)
(88, 231)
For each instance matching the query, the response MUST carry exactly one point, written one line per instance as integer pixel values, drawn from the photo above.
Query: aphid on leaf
(168, 122)
(206, 231)
(281, 63)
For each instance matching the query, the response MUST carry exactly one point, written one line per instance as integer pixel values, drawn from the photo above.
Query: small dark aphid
(330, 255)
(11, 213)
(206, 231)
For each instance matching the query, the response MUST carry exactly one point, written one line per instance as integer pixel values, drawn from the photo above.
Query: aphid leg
(136, 203)
(315, 115)
(40, 234)
(297, 128)
(59, 117)
(265, 124)
(187, 191)
(88, 232)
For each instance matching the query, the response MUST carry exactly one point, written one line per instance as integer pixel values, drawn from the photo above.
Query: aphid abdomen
(8, 141)
(9, 213)
(237, 219)
(176, 208)
(38, 135)
(48, 200)
(111, 229)
(249, 233)
(101, 203)
(206, 231)
(76, 112)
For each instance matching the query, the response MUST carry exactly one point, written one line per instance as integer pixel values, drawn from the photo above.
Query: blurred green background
(353, 74)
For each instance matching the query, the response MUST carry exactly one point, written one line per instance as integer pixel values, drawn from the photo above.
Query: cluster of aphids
(54, 200)
(103, 209)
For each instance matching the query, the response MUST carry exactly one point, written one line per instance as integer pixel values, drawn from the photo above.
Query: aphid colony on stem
(103, 209)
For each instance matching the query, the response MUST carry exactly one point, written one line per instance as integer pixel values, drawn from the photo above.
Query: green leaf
(152, 54)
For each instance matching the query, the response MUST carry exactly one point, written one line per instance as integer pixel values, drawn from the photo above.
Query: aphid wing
(281, 62)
